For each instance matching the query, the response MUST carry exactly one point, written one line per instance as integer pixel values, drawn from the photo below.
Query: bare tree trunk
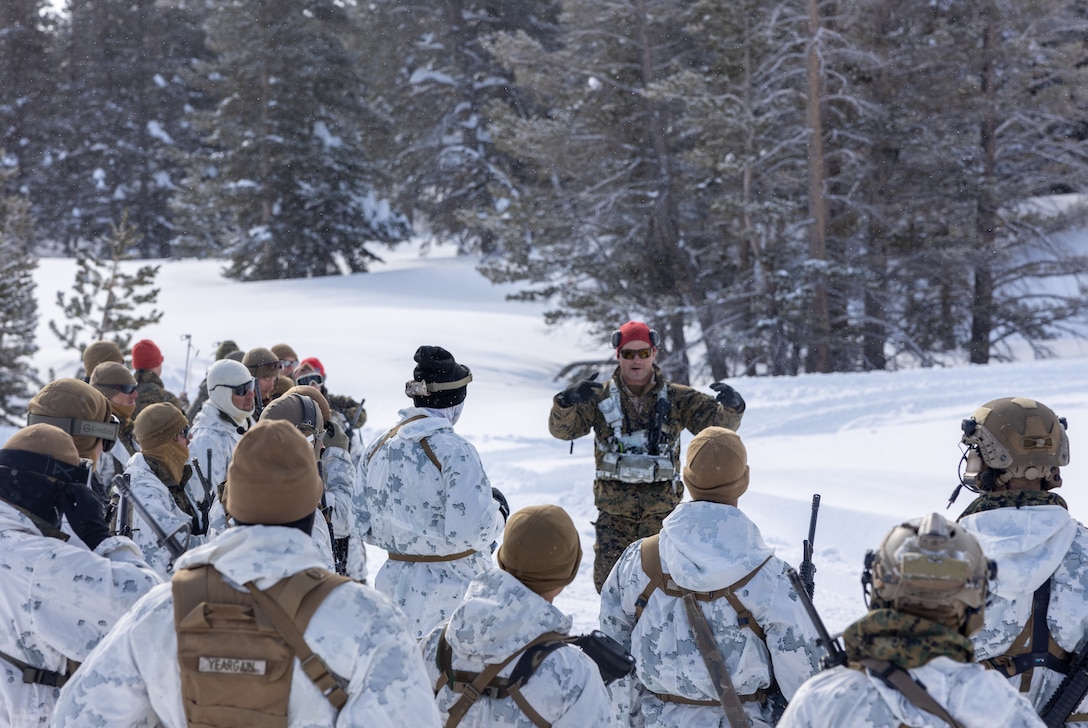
(818, 357)
(983, 296)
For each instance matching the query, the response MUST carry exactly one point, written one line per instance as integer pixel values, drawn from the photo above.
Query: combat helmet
(1013, 437)
(933, 569)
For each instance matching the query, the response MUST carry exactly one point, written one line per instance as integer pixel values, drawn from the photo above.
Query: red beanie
(315, 363)
(632, 331)
(145, 355)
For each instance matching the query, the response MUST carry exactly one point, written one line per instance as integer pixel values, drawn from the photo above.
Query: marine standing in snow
(157, 478)
(430, 503)
(507, 610)
(911, 662)
(57, 599)
(707, 548)
(221, 422)
(225, 642)
(637, 418)
(1038, 616)
(147, 368)
(118, 386)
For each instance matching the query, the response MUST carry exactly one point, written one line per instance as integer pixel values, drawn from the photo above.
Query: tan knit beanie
(71, 399)
(284, 352)
(272, 478)
(98, 352)
(717, 466)
(45, 439)
(158, 424)
(282, 385)
(541, 548)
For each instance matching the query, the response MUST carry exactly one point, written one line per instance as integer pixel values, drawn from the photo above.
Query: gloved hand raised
(728, 396)
(584, 391)
(85, 514)
(334, 436)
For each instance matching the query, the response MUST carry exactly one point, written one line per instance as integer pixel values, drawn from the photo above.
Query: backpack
(236, 650)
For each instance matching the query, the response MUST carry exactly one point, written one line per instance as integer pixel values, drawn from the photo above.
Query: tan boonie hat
(272, 478)
(717, 466)
(158, 424)
(541, 548)
(101, 351)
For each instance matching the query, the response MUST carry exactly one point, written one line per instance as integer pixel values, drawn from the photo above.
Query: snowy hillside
(878, 447)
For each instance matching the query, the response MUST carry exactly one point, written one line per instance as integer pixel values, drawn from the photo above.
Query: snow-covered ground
(878, 447)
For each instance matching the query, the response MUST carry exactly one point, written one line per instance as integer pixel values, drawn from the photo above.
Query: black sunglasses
(126, 388)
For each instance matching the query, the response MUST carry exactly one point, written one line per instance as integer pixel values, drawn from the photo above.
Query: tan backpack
(236, 649)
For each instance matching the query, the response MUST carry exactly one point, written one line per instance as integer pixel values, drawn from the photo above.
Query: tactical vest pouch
(236, 666)
(628, 468)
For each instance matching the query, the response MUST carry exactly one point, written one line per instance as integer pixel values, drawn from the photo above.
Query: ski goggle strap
(50, 467)
(106, 431)
(422, 389)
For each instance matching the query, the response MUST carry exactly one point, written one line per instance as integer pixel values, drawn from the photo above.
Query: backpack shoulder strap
(913, 691)
(1034, 646)
(301, 595)
(423, 442)
(650, 553)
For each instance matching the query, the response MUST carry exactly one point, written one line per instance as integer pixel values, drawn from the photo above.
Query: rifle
(205, 505)
(258, 403)
(120, 514)
(176, 542)
(836, 655)
(1071, 690)
(808, 569)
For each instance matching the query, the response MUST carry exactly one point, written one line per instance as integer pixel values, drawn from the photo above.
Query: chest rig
(642, 456)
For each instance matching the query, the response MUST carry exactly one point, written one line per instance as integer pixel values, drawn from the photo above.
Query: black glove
(504, 507)
(85, 515)
(729, 397)
(584, 391)
(334, 436)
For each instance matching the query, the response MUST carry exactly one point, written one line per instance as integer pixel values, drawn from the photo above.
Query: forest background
(778, 186)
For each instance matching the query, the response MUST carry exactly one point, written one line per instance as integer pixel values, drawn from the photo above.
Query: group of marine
(174, 565)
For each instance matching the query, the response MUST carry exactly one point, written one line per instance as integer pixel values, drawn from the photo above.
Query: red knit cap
(145, 354)
(634, 331)
(315, 363)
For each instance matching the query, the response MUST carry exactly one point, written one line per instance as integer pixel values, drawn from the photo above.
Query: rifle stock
(836, 655)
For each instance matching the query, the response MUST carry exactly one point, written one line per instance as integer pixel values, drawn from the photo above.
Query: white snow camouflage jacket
(133, 678)
(57, 600)
(156, 498)
(706, 546)
(1030, 544)
(212, 429)
(338, 473)
(498, 617)
(847, 698)
(416, 509)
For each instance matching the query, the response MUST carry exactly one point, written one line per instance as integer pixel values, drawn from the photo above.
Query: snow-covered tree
(18, 304)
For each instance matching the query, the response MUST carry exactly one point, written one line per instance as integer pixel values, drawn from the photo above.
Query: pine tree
(107, 302)
(287, 187)
(18, 305)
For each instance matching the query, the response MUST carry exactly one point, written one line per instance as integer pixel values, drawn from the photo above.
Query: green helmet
(933, 569)
(1014, 437)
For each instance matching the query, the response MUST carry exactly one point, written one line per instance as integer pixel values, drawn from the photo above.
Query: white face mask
(450, 413)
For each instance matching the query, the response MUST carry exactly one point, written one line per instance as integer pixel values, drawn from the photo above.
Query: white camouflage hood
(697, 558)
(266, 554)
(499, 616)
(1027, 543)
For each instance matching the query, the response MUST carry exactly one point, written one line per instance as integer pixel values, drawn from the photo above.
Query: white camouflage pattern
(498, 617)
(706, 546)
(338, 472)
(133, 678)
(114, 462)
(212, 429)
(847, 698)
(1029, 544)
(156, 498)
(415, 509)
(57, 600)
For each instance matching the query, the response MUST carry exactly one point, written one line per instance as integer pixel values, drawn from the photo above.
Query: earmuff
(655, 338)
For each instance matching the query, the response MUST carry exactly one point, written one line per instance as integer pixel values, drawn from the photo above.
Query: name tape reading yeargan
(232, 665)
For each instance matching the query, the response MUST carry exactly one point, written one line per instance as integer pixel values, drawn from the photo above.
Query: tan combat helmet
(933, 569)
(1013, 437)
